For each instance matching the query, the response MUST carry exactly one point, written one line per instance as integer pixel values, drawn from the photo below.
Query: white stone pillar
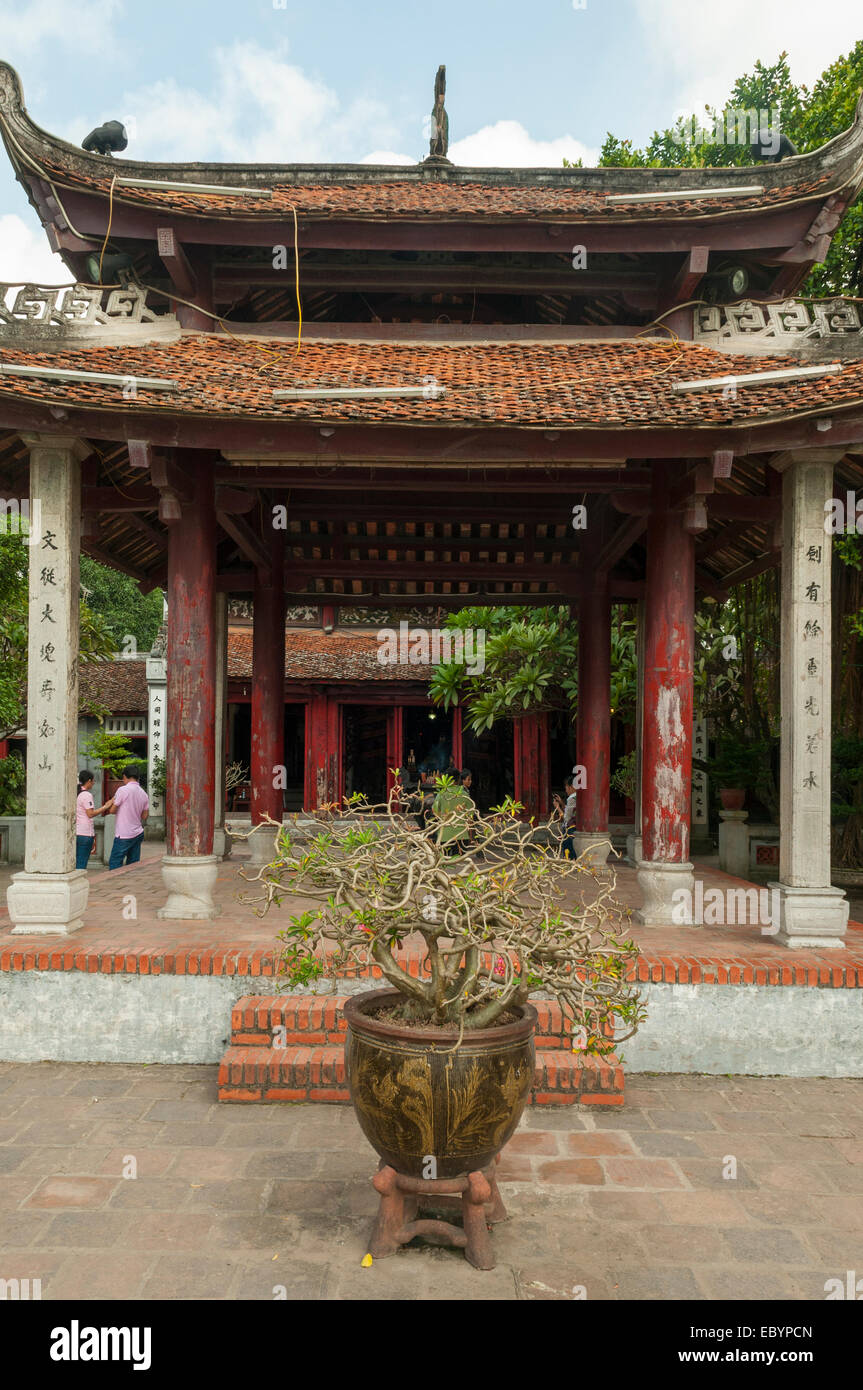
(811, 912)
(157, 723)
(50, 896)
(221, 839)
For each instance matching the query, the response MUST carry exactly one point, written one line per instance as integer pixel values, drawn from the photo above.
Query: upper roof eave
(834, 167)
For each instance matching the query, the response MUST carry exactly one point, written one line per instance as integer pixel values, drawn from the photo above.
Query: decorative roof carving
(86, 312)
(830, 328)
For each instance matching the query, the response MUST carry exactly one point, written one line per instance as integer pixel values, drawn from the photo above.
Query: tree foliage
(808, 118)
(130, 616)
(96, 642)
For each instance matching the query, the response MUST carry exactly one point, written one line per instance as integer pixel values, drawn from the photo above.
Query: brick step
(310, 1072)
(318, 1020)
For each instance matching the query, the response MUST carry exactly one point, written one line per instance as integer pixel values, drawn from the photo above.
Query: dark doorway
(427, 739)
(489, 757)
(295, 752)
(365, 728)
(561, 748)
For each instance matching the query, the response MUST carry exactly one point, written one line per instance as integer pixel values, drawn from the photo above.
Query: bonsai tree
(498, 917)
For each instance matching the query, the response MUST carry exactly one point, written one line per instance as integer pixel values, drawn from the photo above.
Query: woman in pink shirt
(85, 814)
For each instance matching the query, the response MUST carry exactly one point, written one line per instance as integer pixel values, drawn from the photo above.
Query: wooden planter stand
(402, 1196)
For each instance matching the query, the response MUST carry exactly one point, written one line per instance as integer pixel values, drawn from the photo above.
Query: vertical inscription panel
(805, 780)
(52, 680)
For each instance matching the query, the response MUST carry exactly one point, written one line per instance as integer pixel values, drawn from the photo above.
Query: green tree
(809, 119)
(531, 664)
(95, 639)
(125, 611)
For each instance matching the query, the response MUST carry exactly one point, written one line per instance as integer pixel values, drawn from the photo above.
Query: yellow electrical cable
(110, 220)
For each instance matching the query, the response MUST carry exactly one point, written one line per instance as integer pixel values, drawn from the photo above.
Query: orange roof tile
(608, 384)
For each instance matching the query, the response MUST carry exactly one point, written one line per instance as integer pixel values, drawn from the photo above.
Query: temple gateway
(341, 387)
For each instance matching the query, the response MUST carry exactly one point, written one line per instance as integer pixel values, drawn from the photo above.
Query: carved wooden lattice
(790, 322)
(76, 305)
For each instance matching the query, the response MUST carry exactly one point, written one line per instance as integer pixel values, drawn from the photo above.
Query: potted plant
(733, 769)
(441, 1063)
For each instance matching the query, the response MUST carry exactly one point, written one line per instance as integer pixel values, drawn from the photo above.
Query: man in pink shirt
(132, 806)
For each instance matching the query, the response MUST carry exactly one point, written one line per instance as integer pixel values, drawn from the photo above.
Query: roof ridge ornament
(439, 141)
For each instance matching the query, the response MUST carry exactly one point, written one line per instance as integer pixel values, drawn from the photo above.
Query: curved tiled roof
(310, 655)
(429, 191)
(121, 685)
(613, 384)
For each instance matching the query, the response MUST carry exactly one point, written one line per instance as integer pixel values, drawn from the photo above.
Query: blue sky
(307, 80)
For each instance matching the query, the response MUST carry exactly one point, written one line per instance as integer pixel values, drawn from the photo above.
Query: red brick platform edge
(752, 962)
(291, 1048)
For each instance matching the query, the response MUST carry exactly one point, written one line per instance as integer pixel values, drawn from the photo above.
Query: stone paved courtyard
(231, 1202)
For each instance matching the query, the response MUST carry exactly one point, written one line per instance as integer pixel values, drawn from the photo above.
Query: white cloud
(507, 144)
(388, 157)
(262, 110)
(26, 256)
(29, 26)
(699, 50)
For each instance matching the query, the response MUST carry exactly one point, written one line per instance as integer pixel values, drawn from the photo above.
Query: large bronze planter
(416, 1098)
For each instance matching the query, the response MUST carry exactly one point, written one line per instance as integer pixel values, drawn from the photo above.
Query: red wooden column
(665, 874)
(190, 868)
(593, 726)
(322, 781)
(268, 697)
(530, 740)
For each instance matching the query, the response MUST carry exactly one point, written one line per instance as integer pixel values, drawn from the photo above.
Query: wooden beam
(698, 482)
(106, 558)
(723, 463)
(133, 498)
(176, 262)
(736, 508)
(391, 479)
(419, 278)
(755, 567)
(235, 501)
(617, 545)
(687, 278)
(155, 537)
(709, 586)
(248, 541)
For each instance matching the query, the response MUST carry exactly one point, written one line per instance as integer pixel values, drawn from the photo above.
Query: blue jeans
(125, 850)
(567, 843)
(83, 850)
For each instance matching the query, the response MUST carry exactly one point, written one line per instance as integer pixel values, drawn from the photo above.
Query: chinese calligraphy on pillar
(699, 779)
(156, 728)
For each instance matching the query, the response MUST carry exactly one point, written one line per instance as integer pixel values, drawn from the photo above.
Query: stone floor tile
(190, 1277)
(107, 1275)
(685, 1121)
(767, 1245)
(620, 1205)
(663, 1144)
(739, 1283)
(169, 1230)
(86, 1230)
(649, 1173)
(72, 1192)
(599, 1142)
(662, 1285)
(704, 1208)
